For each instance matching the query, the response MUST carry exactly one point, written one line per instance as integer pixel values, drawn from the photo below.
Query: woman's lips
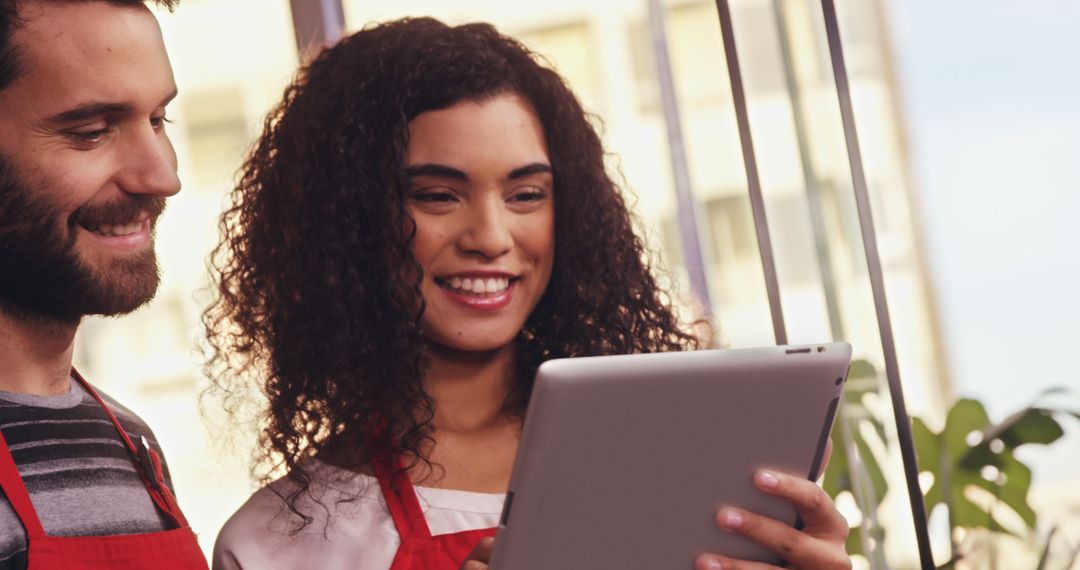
(483, 294)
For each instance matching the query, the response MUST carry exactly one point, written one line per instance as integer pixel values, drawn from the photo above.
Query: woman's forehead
(501, 130)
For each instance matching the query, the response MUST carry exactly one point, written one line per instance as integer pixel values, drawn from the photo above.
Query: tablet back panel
(624, 460)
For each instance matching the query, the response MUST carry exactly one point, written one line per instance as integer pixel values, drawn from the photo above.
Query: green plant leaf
(1015, 489)
(854, 544)
(958, 466)
(1030, 425)
(928, 454)
(862, 368)
(873, 469)
(966, 513)
(965, 417)
(838, 476)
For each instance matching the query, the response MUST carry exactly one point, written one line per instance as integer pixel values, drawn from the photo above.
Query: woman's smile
(482, 198)
(481, 291)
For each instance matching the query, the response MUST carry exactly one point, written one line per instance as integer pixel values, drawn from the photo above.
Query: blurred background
(970, 130)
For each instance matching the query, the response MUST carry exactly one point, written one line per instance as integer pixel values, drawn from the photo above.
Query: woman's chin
(469, 344)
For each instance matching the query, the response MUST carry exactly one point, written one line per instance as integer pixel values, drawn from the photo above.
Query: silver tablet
(624, 460)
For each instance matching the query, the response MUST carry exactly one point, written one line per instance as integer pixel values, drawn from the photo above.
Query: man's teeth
(478, 285)
(116, 230)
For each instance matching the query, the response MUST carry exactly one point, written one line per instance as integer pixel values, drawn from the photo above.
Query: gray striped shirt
(76, 468)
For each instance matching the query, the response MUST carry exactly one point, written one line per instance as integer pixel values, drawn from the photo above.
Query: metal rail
(877, 284)
(689, 233)
(753, 181)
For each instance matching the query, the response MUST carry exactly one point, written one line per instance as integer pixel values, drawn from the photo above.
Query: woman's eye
(433, 197)
(529, 196)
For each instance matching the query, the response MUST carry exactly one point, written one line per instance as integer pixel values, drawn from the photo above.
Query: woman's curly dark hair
(312, 303)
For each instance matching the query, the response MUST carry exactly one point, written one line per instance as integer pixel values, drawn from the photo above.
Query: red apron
(168, 550)
(419, 550)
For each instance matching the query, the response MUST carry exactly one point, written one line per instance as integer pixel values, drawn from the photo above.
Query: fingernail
(730, 519)
(768, 480)
(710, 563)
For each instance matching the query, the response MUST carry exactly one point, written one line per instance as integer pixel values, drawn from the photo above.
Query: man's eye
(158, 122)
(88, 137)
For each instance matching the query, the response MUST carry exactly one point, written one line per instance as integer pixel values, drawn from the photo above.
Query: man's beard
(41, 275)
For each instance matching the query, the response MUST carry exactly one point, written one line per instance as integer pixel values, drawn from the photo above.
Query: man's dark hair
(10, 63)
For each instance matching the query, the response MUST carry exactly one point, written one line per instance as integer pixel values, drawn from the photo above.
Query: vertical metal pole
(757, 203)
(317, 24)
(860, 487)
(810, 178)
(877, 283)
(688, 226)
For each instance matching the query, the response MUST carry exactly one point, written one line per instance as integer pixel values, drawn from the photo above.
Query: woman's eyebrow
(436, 170)
(529, 170)
(443, 171)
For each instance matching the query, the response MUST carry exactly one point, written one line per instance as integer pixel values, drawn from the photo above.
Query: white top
(351, 526)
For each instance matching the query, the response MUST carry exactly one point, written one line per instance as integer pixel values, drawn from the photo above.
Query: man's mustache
(121, 211)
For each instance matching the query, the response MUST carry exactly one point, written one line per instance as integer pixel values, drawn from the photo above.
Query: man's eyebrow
(94, 109)
(88, 111)
(529, 170)
(436, 170)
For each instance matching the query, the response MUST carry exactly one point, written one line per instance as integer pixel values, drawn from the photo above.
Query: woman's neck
(469, 388)
(473, 440)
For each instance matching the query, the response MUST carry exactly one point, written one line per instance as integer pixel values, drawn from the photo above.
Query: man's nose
(149, 164)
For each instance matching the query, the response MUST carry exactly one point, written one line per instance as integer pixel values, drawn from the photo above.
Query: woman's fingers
(480, 555)
(818, 545)
(797, 547)
(816, 509)
(717, 562)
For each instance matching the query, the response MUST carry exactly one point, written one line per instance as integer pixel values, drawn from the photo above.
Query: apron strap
(15, 490)
(146, 461)
(400, 497)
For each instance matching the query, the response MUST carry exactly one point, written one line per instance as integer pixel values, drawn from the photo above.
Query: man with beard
(85, 168)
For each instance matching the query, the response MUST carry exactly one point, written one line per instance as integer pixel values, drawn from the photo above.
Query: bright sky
(991, 91)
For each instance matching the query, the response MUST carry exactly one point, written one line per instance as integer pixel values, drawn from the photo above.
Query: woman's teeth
(116, 230)
(477, 286)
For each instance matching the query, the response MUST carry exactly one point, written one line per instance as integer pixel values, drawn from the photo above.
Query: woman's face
(482, 197)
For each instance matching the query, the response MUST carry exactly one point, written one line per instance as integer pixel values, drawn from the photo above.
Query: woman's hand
(479, 557)
(818, 546)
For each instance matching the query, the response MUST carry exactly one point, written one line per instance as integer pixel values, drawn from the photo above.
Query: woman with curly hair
(425, 220)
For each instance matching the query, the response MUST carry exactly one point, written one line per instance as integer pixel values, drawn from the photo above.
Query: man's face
(85, 164)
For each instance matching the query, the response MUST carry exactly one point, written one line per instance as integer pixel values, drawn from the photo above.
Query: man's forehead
(74, 33)
(73, 51)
